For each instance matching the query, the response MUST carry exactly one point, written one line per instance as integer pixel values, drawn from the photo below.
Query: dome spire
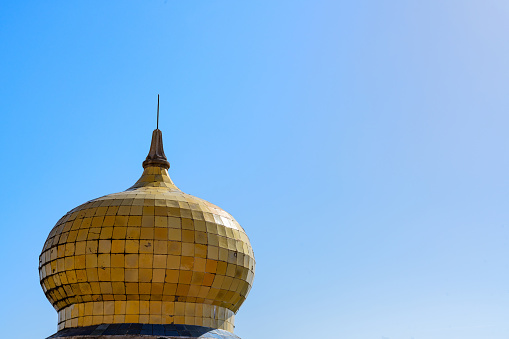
(157, 126)
(156, 156)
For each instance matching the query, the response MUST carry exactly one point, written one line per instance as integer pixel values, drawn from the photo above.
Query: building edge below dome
(129, 336)
(142, 331)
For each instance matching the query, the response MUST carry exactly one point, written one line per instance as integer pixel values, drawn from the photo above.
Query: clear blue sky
(363, 145)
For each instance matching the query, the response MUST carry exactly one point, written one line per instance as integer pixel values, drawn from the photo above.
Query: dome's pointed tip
(156, 156)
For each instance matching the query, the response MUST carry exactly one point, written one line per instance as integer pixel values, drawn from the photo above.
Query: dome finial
(156, 156)
(157, 126)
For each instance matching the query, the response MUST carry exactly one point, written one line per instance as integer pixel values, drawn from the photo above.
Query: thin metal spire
(157, 112)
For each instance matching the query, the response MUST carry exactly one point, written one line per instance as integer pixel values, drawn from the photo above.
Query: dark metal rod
(158, 111)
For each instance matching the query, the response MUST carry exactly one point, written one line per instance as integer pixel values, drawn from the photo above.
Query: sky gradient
(362, 145)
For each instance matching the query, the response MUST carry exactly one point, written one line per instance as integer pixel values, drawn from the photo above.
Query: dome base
(142, 331)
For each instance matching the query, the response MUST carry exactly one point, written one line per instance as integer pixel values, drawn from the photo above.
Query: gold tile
(188, 249)
(174, 247)
(188, 236)
(147, 233)
(104, 274)
(132, 246)
(117, 260)
(131, 261)
(131, 275)
(134, 221)
(132, 318)
(160, 247)
(133, 232)
(119, 232)
(146, 260)
(146, 246)
(161, 233)
(158, 275)
(104, 246)
(199, 264)
(120, 220)
(104, 260)
(145, 274)
(132, 290)
(174, 234)
(161, 221)
(120, 307)
(172, 277)
(186, 263)
(173, 262)
(147, 220)
(174, 222)
(106, 233)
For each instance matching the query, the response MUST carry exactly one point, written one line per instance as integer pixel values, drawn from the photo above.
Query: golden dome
(151, 254)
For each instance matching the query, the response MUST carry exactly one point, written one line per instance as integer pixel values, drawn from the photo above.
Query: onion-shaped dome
(150, 255)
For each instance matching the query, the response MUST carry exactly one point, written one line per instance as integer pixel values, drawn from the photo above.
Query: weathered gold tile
(132, 246)
(92, 275)
(119, 232)
(161, 220)
(147, 220)
(145, 275)
(82, 235)
(156, 288)
(104, 246)
(131, 261)
(145, 289)
(134, 221)
(146, 246)
(104, 274)
(120, 307)
(120, 221)
(172, 277)
(106, 233)
(147, 233)
(79, 261)
(186, 263)
(69, 263)
(199, 264)
(91, 246)
(174, 234)
(188, 249)
(133, 232)
(160, 247)
(161, 233)
(185, 277)
(146, 260)
(200, 250)
(131, 275)
(213, 252)
(158, 275)
(174, 247)
(117, 260)
(208, 279)
(132, 318)
(188, 236)
(118, 286)
(132, 290)
(104, 260)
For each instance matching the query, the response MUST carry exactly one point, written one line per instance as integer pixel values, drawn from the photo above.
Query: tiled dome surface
(150, 255)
